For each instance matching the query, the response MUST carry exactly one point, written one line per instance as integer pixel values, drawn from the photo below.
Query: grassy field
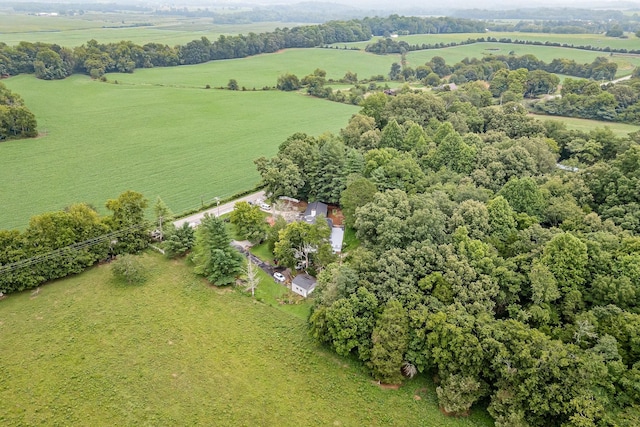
(586, 125)
(626, 63)
(114, 27)
(184, 144)
(174, 351)
(263, 70)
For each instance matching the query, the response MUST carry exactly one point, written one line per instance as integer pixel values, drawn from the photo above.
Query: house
(313, 210)
(303, 284)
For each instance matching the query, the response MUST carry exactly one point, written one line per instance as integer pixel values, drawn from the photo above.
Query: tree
(233, 84)
(394, 73)
(252, 277)
(163, 216)
(524, 195)
(213, 256)
(249, 221)
(502, 221)
(129, 217)
(390, 342)
(281, 176)
(179, 241)
(301, 244)
(358, 193)
(288, 82)
(374, 106)
(128, 268)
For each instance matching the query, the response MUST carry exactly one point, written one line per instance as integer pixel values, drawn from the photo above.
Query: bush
(129, 269)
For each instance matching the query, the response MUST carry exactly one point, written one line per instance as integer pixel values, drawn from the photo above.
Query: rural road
(218, 210)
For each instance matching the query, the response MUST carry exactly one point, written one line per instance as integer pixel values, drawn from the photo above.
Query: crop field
(174, 351)
(74, 31)
(263, 70)
(187, 145)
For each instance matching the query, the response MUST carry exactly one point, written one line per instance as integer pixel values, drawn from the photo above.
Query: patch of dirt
(420, 394)
(386, 386)
(335, 215)
(454, 414)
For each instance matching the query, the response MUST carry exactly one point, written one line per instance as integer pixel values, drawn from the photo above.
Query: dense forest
(482, 263)
(16, 121)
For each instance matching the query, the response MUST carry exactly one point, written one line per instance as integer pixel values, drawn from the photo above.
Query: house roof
(337, 236)
(304, 281)
(318, 207)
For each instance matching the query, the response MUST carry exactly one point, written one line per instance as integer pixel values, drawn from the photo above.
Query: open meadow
(88, 350)
(184, 144)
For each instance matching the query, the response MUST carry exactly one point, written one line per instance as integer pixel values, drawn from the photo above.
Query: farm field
(586, 125)
(113, 27)
(263, 70)
(175, 351)
(186, 145)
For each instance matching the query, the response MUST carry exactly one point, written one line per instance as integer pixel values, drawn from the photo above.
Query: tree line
(480, 262)
(16, 121)
(590, 100)
(388, 45)
(57, 244)
(51, 61)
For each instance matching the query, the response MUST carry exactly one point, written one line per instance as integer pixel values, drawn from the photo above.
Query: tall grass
(87, 350)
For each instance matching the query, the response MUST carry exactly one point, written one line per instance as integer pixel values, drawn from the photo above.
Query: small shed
(303, 284)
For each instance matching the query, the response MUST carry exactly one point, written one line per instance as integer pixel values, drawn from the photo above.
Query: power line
(61, 251)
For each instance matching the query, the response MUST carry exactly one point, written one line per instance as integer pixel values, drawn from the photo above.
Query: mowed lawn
(174, 351)
(186, 145)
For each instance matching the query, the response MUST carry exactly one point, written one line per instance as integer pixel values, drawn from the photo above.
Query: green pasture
(187, 145)
(263, 70)
(73, 31)
(88, 350)
(586, 125)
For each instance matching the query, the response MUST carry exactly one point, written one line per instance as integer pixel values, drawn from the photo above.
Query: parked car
(278, 276)
(265, 206)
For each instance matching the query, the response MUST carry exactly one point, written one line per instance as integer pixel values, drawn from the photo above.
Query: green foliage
(181, 321)
(390, 342)
(233, 85)
(288, 82)
(128, 215)
(16, 121)
(179, 241)
(358, 193)
(129, 269)
(249, 221)
(212, 256)
(304, 245)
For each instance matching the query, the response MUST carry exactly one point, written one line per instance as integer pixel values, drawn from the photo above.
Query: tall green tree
(249, 221)
(212, 256)
(390, 342)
